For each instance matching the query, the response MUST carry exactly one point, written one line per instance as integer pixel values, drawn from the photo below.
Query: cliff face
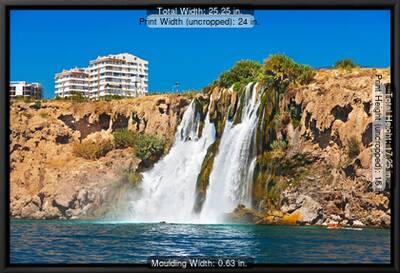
(49, 181)
(335, 133)
(313, 144)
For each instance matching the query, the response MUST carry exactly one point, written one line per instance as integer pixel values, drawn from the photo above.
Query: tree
(242, 73)
(281, 69)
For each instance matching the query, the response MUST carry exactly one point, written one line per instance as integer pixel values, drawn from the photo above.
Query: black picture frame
(7, 5)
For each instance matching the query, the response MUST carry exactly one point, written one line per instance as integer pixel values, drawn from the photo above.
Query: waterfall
(167, 191)
(231, 177)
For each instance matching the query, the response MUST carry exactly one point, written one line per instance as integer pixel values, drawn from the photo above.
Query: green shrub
(78, 97)
(346, 64)
(124, 138)
(279, 68)
(37, 105)
(111, 97)
(149, 146)
(90, 150)
(279, 144)
(353, 147)
(242, 73)
(305, 74)
(134, 178)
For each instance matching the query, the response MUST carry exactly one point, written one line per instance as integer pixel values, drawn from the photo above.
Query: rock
(347, 212)
(291, 219)
(330, 222)
(310, 210)
(290, 201)
(365, 158)
(65, 198)
(358, 223)
(29, 210)
(82, 198)
(331, 209)
(276, 213)
(385, 221)
(39, 215)
(336, 218)
(50, 211)
(73, 212)
(289, 208)
(241, 214)
(163, 108)
(37, 201)
(319, 222)
(378, 218)
(302, 207)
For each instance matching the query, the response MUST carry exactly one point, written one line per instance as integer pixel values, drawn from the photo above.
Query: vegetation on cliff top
(346, 64)
(75, 97)
(277, 67)
(79, 97)
(280, 70)
(242, 73)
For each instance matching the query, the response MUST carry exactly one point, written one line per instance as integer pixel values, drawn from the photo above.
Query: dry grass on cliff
(90, 150)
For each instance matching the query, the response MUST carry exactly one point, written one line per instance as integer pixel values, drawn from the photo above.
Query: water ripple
(51, 242)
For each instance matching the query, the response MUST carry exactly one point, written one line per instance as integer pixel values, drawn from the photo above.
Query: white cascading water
(167, 191)
(231, 177)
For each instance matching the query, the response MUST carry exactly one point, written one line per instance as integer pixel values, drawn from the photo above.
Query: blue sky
(44, 42)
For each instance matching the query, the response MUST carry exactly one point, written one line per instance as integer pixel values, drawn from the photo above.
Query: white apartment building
(71, 82)
(121, 74)
(25, 89)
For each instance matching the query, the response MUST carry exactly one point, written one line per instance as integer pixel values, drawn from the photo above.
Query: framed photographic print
(199, 135)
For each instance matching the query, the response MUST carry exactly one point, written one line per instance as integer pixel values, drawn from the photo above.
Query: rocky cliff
(335, 131)
(313, 151)
(48, 181)
(317, 166)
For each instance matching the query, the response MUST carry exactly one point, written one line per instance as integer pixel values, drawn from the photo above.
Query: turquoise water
(49, 242)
